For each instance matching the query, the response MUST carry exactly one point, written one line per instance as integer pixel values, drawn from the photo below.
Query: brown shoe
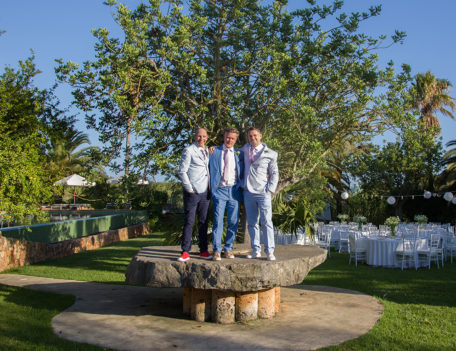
(216, 256)
(228, 254)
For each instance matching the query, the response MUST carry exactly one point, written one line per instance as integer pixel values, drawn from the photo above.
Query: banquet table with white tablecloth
(381, 252)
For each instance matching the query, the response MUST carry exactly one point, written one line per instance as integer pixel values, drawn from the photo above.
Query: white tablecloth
(382, 251)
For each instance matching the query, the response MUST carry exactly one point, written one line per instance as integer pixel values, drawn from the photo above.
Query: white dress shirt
(232, 172)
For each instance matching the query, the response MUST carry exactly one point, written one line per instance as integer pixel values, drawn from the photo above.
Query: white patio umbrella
(74, 180)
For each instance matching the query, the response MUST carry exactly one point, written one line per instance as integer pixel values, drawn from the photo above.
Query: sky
(62, 29)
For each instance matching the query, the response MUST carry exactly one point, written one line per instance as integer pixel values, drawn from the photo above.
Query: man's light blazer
(194, 169)
(263, 174)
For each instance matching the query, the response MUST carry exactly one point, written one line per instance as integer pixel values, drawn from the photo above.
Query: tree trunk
(128, 148)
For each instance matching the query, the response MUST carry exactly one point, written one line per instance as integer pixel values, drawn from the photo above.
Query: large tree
(309, 79)
(310, 86)
(121, 89)
(24, 180)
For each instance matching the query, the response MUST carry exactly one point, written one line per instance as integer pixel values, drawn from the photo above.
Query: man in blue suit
(194, 175)
(226, 171)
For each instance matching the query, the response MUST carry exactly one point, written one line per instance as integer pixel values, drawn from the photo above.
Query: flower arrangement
(420, 219)
(342, 217)
(392, 222)
(360, 220)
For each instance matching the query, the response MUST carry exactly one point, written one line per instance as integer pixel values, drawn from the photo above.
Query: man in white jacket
(194, 175)
(261, 176)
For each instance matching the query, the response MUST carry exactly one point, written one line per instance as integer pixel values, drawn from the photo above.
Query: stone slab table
(229, 290)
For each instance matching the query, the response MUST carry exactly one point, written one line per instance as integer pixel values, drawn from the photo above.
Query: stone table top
(157, 266)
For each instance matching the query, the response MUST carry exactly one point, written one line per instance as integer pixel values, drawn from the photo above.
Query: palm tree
(430, 95)
(447, 179)
(449, 158)
(63, 157)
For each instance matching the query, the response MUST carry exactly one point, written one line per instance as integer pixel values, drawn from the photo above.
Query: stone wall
(15, 253)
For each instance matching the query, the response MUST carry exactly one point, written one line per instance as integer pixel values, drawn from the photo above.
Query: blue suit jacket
(215, 166)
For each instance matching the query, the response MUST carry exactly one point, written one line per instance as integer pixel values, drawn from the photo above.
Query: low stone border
(16, 253)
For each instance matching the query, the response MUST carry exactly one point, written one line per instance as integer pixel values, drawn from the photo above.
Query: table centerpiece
(342, 217)
(421, 219)
(360, 220)
(392, 222)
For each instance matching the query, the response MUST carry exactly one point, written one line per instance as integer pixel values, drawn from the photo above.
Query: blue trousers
(195, 203)
(224, 200)
(259, 206)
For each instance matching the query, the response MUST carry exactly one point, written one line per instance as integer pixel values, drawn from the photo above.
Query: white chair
(357, 252)
(324, 239)
(433, 253)
(406, 252)
(450, 246)
(343, 241)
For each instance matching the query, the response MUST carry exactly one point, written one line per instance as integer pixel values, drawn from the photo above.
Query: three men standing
(194, 175)
(260, 179)
(255, 170)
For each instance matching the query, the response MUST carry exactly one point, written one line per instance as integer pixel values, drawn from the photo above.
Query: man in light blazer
(194, 175)
(226, 171)
(260, 179)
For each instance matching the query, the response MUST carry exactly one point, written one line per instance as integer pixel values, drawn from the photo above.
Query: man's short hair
(197, 130)
(253, 128)
(231, 130)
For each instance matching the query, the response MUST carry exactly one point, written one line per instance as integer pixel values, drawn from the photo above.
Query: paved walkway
(141, 318)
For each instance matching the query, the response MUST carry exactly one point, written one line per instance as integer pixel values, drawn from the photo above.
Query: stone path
(141, 318)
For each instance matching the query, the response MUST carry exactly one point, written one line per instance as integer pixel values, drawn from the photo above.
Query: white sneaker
(254, 254)
(271, 257)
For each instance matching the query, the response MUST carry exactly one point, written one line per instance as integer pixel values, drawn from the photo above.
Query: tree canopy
(308, 79)
(24, 180)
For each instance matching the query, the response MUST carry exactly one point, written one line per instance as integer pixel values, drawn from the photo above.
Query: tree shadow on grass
(26, 317)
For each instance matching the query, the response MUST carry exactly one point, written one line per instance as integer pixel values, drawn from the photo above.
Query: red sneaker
(206, 255)
(184, 257)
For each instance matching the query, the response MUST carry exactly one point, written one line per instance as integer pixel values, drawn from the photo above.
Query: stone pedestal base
(227, 307)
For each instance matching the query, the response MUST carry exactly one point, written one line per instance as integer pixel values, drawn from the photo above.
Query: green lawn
(420, 311)
(419, 314)
(25, 321)
(105, 265)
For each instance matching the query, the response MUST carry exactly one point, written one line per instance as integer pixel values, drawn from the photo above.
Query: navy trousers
(195, 204)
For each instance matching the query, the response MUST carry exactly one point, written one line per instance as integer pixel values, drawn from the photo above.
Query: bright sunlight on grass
(106, 265)
(420, 311)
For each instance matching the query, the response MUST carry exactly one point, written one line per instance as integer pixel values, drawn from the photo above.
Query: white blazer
(194, 169)
(263, 174)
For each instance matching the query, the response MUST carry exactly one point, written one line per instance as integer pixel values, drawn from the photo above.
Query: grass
(25, 321)
(105, 265)
(420, 311)
(419, 314)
